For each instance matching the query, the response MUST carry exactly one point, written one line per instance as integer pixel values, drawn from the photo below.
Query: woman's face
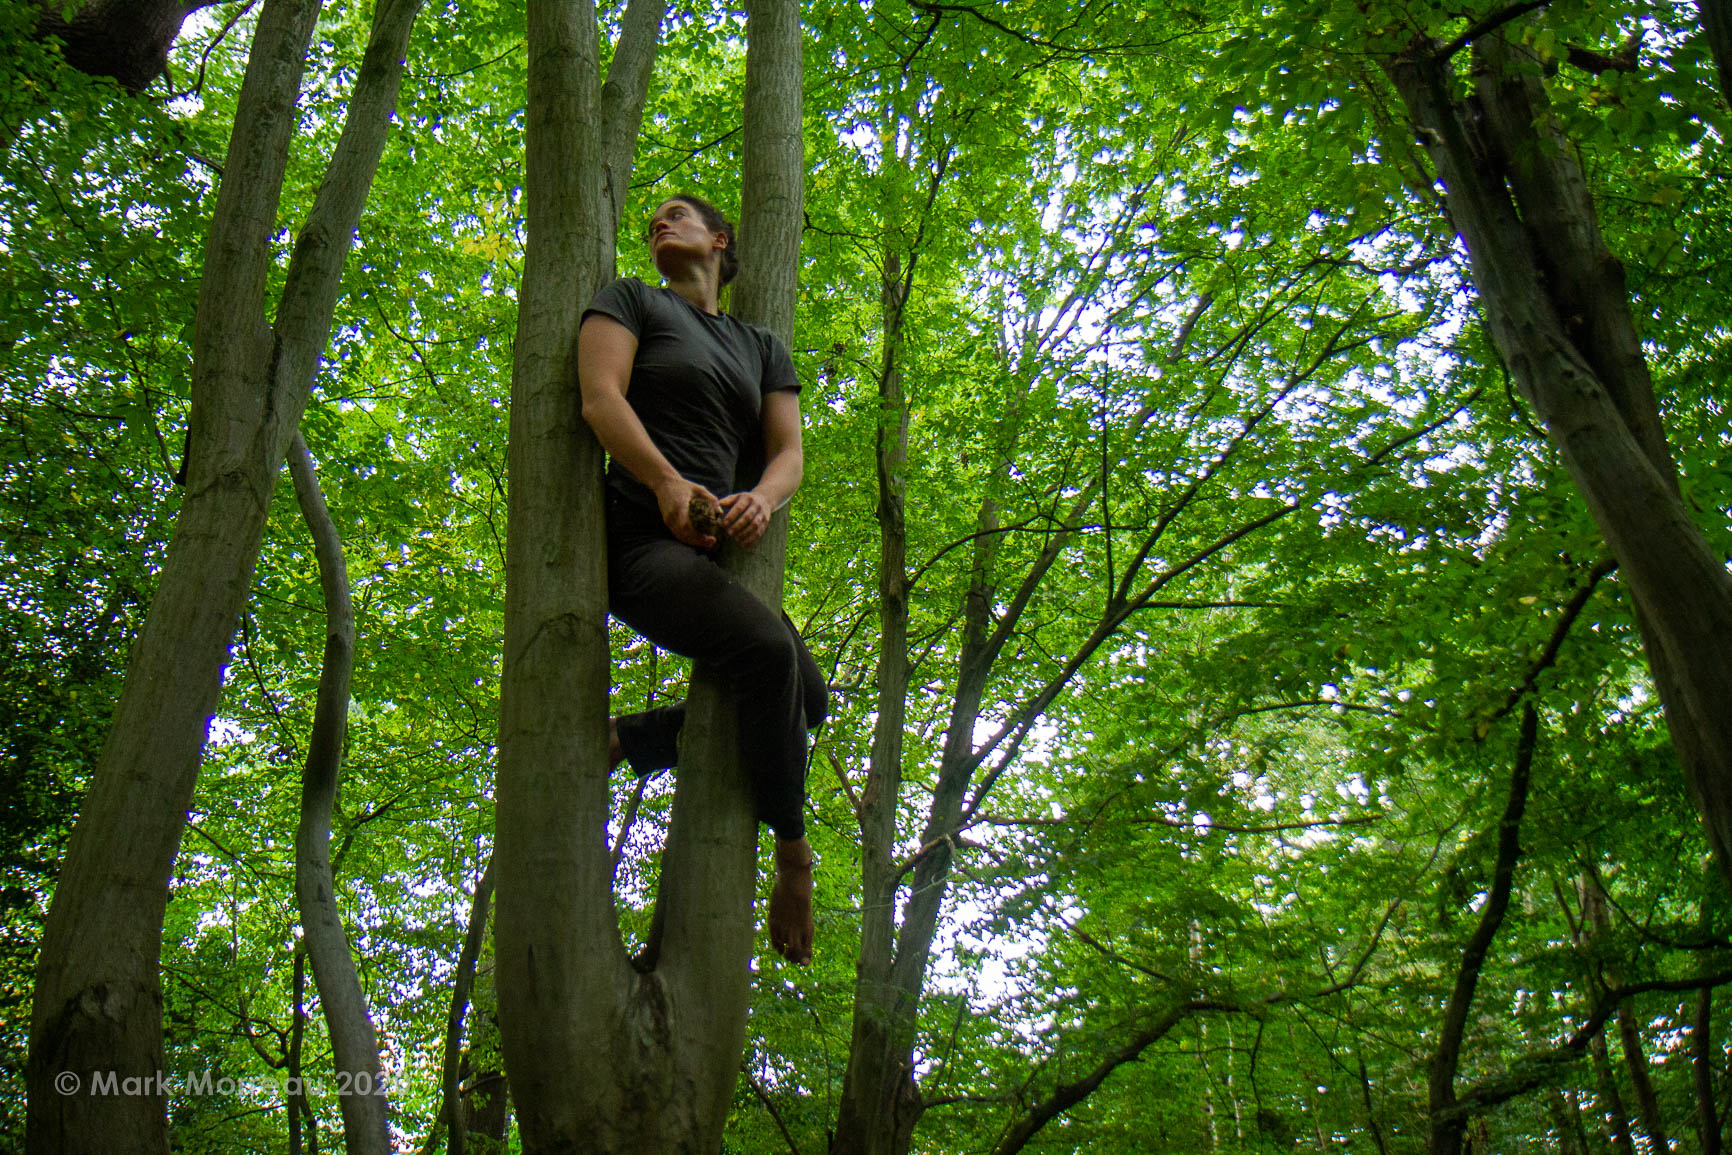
(678, 234)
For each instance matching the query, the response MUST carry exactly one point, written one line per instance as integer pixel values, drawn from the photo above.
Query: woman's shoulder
(627, 300)
(624, 287)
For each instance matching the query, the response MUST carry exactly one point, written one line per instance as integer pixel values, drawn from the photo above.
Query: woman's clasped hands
(693, 514)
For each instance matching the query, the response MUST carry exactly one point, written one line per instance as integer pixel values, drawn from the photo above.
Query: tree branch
(1487, 24)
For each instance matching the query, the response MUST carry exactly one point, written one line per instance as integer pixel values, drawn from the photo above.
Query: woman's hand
(674, 497)
(746, 515)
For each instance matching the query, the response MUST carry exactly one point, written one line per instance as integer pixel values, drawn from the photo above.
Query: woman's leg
(649, 739)
(681, 600)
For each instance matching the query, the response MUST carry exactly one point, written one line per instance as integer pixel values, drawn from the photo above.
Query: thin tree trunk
(1559, 314)
(701, 937)
(354, 1045)
(1612, 1112)
(98, 999)
(1567, 1123)
(451, 1111)
(1636, 1062)
(1448, 1125)
(880, 1103)
(487, 1102)
(1703, 1068)
(1598, 923)
(297, 1096)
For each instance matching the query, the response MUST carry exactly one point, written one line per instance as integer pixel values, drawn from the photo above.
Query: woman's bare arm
(748, 512)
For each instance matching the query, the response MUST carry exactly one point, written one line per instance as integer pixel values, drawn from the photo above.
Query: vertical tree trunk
(1567, 1123)
(1610, 1107)
(487, 1103)
(97, 1004)
(1597, 921)
(701, 940)
(553, 904)
(1559, 314)
(297, 1096)
(1703, 1066)
(354, 1045)
(1717, 27)
(654, 1042)
(880, 1103)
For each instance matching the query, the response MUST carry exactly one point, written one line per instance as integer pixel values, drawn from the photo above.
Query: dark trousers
(680, 599)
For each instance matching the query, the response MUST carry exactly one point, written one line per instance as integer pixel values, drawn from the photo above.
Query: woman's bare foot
(791, 928)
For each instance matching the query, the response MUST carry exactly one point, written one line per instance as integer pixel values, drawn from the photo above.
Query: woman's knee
(814, 691)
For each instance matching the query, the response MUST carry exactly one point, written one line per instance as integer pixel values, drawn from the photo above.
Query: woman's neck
(698, 284)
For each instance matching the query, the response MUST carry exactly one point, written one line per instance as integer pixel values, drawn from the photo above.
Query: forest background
(1266, 730)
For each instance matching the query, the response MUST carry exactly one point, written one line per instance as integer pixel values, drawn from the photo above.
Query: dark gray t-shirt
(697, 384)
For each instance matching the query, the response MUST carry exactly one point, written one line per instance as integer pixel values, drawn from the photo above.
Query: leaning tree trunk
(655, 1041)
(354, 1045)
(1448, 1124)
(452, 1111)
(124, 39)
(98, 998)
(1559, 314)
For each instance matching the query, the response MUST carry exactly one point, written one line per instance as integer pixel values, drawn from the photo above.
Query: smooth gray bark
(354, 1045)
(700, 945)
(98, 998)
(551, 799)
(654, 1041)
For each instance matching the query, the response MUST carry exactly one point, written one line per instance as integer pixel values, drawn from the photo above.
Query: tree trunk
(1567, 1123)
(486, 1111)
(1717, 26)
(880, 1103)
(654, 1041)
(124, 39)
(354, 1045)
(1559, 314)
(1611, 1110)
(1448, 1124)
(1636, 1062)
(553, 904)
(1702, 1061)
(98, 999)
(297, 1096)
(451, 1107)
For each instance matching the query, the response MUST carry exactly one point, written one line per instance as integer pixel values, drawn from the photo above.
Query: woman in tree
(682, 396)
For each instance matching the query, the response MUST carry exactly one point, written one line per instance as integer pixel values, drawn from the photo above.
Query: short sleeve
(778, 365)
(623, 301)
